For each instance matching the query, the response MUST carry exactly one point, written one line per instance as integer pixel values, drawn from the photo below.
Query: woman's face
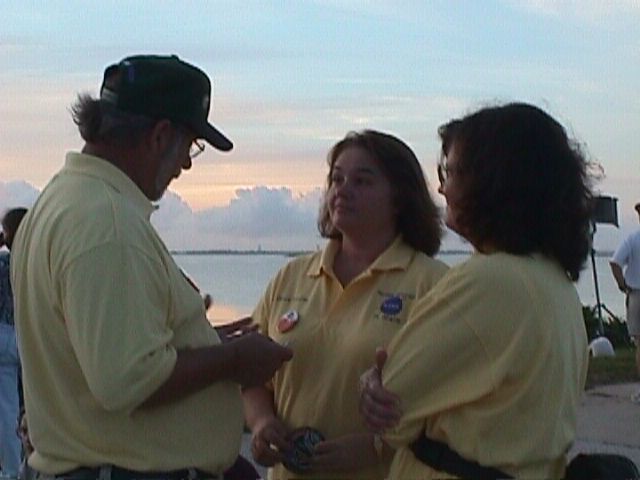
(360, 197)
(450, 188)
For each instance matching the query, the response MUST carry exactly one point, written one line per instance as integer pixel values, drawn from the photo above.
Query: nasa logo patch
(391, 305)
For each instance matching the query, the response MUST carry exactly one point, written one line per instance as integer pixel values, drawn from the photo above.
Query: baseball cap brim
(214, 137)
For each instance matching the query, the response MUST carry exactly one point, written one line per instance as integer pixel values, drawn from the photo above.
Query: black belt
(117, 473)
(441, 457)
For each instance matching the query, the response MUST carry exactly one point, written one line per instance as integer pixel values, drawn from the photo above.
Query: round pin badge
(288, 321)
(304, 440)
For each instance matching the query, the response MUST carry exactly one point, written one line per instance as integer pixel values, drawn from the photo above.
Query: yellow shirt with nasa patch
(337, 332)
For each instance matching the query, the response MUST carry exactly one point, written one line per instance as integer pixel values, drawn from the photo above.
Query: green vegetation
(614, 328)
(618, 369)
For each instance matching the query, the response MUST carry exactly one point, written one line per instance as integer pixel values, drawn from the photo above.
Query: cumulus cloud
(258, 217)
(256, 211)
(17, 194)
(278, 219)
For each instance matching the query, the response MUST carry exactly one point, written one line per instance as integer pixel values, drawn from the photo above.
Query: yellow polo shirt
(101, 309)
(492, 362)
(337, 333)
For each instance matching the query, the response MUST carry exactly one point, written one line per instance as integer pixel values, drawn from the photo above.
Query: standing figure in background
(625, 266)
(9, 360)
(334, 307)
(26, 472)
(490, 366)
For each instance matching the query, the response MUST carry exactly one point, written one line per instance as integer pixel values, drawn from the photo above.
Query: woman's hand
(344, 454)
(379, 407)
(268, 442)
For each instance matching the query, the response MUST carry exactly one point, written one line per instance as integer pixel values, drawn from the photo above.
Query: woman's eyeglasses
(443, 170)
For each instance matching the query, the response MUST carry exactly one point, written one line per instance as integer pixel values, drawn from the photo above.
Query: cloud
(17, 194)
(279, 219)
(258, 217)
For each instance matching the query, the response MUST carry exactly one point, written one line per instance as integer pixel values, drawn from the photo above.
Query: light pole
(605, 211)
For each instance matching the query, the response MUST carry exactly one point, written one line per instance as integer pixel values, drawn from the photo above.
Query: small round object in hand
(304, 440)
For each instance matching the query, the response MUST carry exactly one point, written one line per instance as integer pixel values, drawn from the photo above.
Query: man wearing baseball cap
(124, 377)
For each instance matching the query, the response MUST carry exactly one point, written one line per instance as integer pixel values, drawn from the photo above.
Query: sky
(292, 77)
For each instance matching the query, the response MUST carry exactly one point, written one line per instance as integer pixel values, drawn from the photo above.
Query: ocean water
(237, 281)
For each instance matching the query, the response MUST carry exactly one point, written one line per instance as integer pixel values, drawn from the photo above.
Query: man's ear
(160, 137)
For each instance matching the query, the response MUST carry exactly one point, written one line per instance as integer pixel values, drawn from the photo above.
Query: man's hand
(248, 360)
(379, 407)
(268, 441)
(256, 358)
(229, 331)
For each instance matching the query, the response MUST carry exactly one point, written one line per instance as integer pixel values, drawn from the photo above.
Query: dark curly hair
(525, 186)
(418, 217)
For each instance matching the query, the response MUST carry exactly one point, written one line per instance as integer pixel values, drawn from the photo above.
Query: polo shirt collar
(97, 167)
(396, 257)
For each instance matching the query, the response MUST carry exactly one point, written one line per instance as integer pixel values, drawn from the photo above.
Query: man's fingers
(286, 353)
(242, 322)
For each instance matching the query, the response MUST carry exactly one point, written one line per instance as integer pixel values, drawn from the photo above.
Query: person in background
(9, 360)
(124, 377)
(625, 267)
(485, 377)
(335, 306)
(25, 472)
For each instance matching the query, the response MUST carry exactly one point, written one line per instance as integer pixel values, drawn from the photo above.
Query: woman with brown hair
(333, 308)
(490, 367)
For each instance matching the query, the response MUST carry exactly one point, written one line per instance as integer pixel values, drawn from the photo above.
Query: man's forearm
(194, 370)
(249, 360)
(618, 275)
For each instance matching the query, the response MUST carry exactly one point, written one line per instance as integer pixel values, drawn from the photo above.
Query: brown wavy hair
(525, 185)
(418, 217)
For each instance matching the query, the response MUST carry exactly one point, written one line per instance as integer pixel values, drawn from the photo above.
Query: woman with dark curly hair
(335, 306)
(490, 367)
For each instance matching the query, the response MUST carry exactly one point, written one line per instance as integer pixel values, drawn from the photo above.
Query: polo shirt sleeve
(439, 359)
(263, 312)
(116, 302)
(621, 255)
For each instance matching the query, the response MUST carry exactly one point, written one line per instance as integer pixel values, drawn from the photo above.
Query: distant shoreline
(295, 253)
(286, 253)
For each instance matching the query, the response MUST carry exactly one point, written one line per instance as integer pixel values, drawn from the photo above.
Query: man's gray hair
(101, 123)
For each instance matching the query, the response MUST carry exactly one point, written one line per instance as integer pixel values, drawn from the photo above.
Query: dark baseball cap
(163, 87)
